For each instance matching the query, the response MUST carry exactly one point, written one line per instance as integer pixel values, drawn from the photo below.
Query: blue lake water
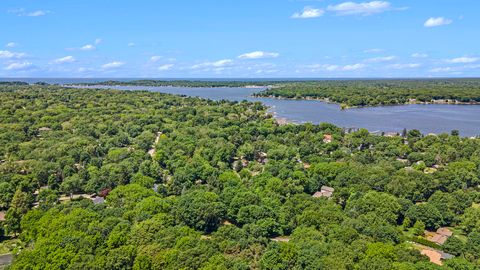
(430, 118)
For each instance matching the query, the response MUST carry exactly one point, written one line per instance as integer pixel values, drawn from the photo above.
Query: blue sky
(239, 38)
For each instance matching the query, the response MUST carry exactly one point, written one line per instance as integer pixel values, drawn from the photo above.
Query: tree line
(185, 83)
(358, 93)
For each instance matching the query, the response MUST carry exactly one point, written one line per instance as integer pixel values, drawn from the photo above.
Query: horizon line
(237, 78)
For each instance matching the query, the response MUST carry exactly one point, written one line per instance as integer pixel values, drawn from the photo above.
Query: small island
(186, 83)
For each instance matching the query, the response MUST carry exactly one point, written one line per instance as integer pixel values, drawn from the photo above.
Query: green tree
(128, 196)
(427, 213)
(470, 220)
(381, 204)
(72, 185)
(454, 246)
(419, 228)
(18, 208)
(47, 198)
(142, 180)
(200, 209)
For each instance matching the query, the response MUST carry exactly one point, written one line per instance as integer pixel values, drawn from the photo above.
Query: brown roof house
(325, 191)
(327, 138)
(440, 236)
(436, 256)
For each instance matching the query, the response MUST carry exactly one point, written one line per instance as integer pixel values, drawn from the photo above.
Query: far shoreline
(344, 106)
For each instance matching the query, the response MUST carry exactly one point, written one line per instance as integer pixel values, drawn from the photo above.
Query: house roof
(44, 129)
(434, 256)
(262, 154)
(445, 232)
(327, 138)
(280, 239)
(98, 200)
(324, 192)
(391, 134)
(326, 188)
(438, 237)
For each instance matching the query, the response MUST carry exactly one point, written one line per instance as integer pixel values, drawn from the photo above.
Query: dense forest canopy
(380, 92)
(224, 187)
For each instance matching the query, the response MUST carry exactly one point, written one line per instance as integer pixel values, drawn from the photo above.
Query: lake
(431, 118)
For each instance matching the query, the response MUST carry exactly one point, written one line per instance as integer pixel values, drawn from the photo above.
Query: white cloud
(114, 64)
(220, 63)
(66, 59)
(131, 44)
(23, 12)
(405, 66)
(36, 13)
(353, 67)
(456, 69)
(329, 67)
(364, 9)
(11, 45)
(472, 66)
(12, 55)
(439, 21)
(382, 59)
(463, 60)
(88, 47)
(441, 69)
(85, 70)
(155, 58)
(19, 66)
(419, 55)
(308, 13)
(269, 71)
(373, 50)
(326, 67)
(259, 55)
(165, 67)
